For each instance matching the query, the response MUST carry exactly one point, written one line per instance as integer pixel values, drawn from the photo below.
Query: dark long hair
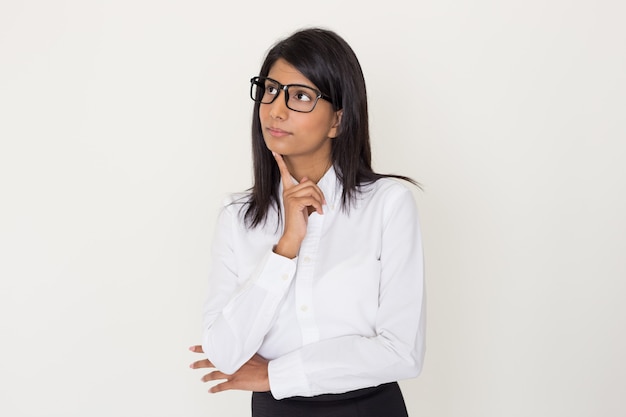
(329, 62)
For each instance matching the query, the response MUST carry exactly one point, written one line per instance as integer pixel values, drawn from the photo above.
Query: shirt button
(284, 277)
(307, 259)
(303, 308)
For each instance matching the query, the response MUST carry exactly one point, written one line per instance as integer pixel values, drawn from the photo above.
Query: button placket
(305, 279)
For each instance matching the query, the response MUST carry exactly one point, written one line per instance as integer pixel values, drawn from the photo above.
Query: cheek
(263, 114)
(317, 126)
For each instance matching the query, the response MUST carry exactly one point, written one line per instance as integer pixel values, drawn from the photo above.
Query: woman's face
(298, 136)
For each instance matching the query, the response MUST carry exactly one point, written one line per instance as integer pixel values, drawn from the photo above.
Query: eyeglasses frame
(285, 89)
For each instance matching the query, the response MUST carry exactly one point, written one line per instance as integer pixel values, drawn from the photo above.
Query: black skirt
(382, 401)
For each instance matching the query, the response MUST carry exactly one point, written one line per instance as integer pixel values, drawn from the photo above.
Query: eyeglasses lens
(300, 98)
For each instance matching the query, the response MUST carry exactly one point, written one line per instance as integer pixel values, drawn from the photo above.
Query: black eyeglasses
(298, 97)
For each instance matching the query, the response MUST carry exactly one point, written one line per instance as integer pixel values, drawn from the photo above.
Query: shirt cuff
(287, 377)
(276, 273)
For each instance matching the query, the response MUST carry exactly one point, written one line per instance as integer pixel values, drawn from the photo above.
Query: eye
(303, 95)
(271, 89)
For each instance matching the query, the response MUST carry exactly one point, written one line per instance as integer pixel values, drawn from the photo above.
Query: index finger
(284, 171)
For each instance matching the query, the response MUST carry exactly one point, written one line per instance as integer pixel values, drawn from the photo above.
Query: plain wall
(124, 123)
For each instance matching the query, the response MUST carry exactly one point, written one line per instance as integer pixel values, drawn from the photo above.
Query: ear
(334, 128)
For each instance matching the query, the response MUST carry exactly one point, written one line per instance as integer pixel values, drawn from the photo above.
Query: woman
(316, 295)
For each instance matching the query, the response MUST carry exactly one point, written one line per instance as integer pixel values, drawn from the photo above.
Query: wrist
(287, 248)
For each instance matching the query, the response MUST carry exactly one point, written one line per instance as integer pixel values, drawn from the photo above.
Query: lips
(278, 133)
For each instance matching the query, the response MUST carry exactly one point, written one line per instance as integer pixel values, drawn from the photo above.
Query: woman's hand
(252, 376)
(299, 201)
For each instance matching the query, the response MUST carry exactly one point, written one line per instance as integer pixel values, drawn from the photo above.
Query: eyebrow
(297, 84)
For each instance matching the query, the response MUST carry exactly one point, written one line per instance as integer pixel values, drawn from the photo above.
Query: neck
(313, 170)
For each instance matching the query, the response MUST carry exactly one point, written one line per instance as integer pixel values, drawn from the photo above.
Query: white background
(124, 123)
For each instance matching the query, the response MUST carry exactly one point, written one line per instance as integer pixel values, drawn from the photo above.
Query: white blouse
(347, 313)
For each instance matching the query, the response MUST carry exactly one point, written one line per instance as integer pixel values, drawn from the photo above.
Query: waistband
(359, 393)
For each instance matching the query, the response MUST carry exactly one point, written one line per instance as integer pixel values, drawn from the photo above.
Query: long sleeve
(243, 301)
(395, 349)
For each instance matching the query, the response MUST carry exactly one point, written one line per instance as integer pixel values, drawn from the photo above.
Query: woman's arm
(240, 310)
(237, 319)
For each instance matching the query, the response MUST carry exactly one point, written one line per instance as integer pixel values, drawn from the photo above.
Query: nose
(278, 108)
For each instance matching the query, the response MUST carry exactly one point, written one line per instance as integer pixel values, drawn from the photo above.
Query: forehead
(285, 73)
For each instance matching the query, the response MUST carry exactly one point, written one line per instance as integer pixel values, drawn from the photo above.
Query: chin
(276, 146)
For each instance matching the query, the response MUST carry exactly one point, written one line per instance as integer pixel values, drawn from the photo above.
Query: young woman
(316, 295)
